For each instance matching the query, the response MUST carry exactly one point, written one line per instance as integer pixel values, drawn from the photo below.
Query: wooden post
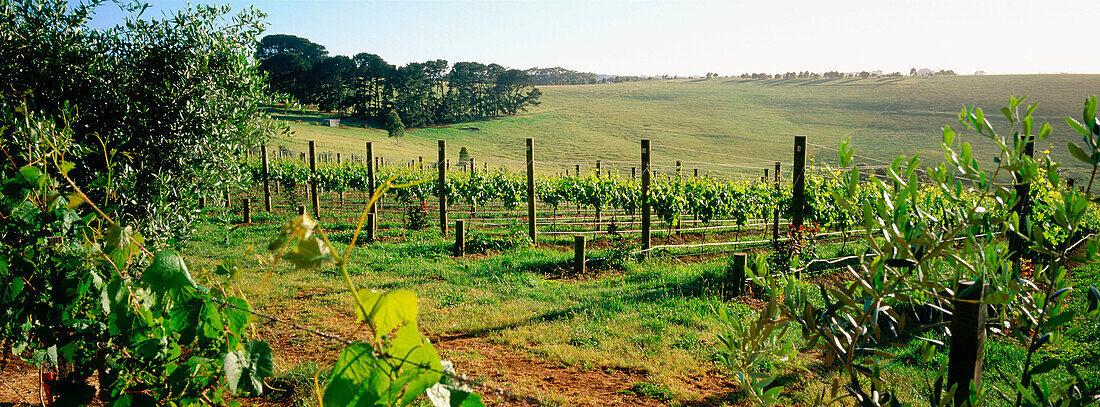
(337, 158)
(247, 210)
(313, 180)
(775, 212)
(301, 210)
(633, 172)
(578, 254)
(736, 277)
(679, 170)
(967, 339)
(1016, 244)
(441, 164)
(578, 170)
(695, 173)
(765, 179)
(267, 182)
(799, 182)
(225, 202)
(1070, 182)
(460, 238)
(644, 200)
(471, 168)
(531, 231)
(372, 227)
(421, 161)
(598, 168)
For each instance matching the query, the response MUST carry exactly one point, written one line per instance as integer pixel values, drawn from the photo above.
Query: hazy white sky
(695, 37)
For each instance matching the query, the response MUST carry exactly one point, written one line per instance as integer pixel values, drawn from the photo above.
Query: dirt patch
(499, 366)
(19, 386)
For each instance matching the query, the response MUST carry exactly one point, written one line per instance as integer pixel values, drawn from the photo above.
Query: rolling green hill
(725, 125)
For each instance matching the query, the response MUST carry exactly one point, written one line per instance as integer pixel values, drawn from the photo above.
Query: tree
(286, 73)
(171, 100)
(463, 157)
(394, 127)
(912, 71)
(272, 45)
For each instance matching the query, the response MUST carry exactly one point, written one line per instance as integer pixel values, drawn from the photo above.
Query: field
(627, 332)
(723, 125)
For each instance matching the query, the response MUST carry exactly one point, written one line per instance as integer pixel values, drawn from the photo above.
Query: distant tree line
(561, 76)
(366, 86)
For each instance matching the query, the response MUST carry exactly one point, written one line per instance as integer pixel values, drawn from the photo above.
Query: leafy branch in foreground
(395, 364)
(922, 257)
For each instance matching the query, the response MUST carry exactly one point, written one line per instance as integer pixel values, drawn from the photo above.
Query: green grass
(753, 118)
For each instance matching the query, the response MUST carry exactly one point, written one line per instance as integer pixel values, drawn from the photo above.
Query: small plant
(416, 216)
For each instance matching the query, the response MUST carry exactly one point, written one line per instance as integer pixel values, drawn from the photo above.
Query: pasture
(724, 125)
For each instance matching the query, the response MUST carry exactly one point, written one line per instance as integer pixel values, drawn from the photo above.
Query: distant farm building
(331, 122)
(877, 73)
(925, 72)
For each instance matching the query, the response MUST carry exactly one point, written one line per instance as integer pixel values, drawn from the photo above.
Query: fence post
(598, 166)
(247, 210)
(267, 176)
(337, 158)
(799, 182)
(442, 166)
(578, 254)
(421, 161)
(372, 184)
(226, 202)
(372, 227)
(633, 172)
(313, 180)
(735, 278)
(460, 238)
(578, 170)
(644, 200)
(471, 168)
(695, 173)
(531, 189)
(679, 170)
(775, 212)
(967, 339)
(1016, 244)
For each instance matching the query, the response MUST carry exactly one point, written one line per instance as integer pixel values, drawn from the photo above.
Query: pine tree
(463, 157)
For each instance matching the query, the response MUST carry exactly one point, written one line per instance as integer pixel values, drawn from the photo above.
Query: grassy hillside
(724, 125)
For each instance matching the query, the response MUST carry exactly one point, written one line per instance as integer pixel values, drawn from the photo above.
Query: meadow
(724, 125)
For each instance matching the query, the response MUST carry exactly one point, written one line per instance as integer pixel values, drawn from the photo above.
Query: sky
(685, 37)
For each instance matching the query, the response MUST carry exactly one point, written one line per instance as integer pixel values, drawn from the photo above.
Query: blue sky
(694, 37)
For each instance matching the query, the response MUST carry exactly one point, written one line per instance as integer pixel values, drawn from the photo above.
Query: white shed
(331, 122)
(925, 72)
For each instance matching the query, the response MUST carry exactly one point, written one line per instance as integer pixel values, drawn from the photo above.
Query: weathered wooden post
(372, 185)
(460, 238)
(679, 170)
(695, 173)
(267, 176)
(578, 170)
(633, 172)
(735, 278)
(598, 168)
(372, 226)
(1017, 244)
(337, 158)
(798, 182)
(472, 172)
(644, 199)
(775, 212)
(967, 339)
(313, 180)
(531, 231)
(225, 202)
(578, 254)
(442, 165)
(247, 210)
(421, 161)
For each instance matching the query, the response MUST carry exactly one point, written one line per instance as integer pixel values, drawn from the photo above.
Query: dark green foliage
(83, 295)
(161, 103)
(421, 93)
